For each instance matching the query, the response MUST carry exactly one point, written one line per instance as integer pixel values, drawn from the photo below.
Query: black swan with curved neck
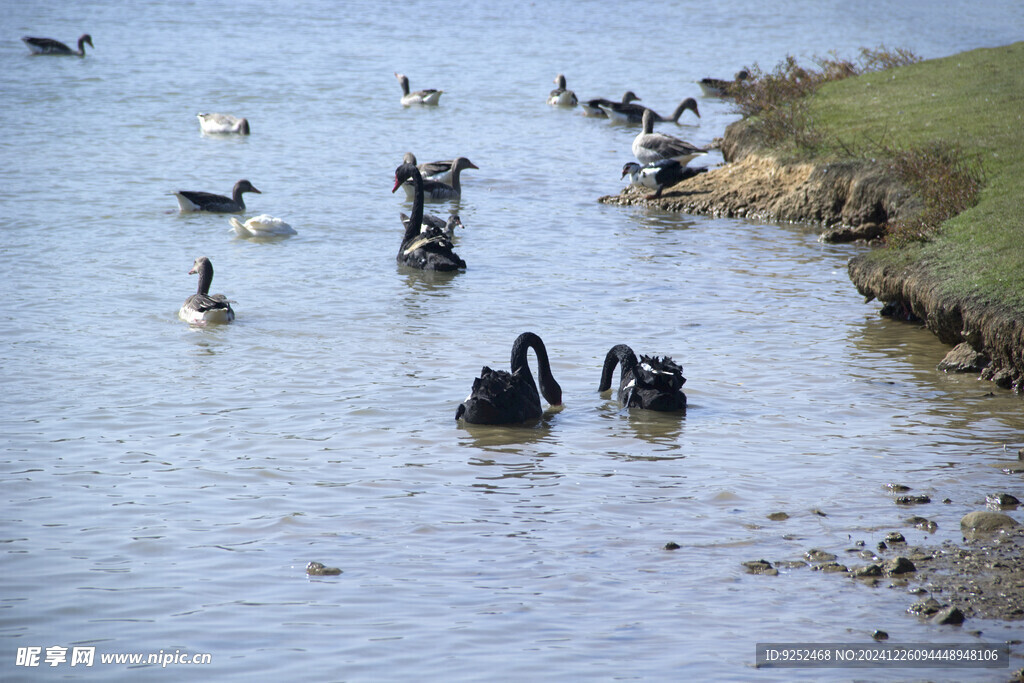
(429, 249)
(500, 397)
(653, 383)
(49, 46)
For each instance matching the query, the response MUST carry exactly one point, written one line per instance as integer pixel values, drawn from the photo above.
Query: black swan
(49, 46)
(653, 383)
(189, 201)
(500, 397)
(428, 249)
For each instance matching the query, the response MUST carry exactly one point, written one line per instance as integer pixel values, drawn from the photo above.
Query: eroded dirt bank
(850, 200)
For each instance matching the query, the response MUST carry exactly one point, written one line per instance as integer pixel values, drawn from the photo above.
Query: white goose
(202, 308)
(263, 225)
(560, 97)
(222, 124)
(428, 96)
(650, 147)
(49, 46)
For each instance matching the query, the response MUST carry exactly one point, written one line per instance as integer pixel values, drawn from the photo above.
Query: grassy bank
(974, 101)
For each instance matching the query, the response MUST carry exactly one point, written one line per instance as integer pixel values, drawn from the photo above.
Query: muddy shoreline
(850, 201)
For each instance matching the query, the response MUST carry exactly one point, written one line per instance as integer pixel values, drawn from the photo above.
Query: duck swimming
(428, 97)
(650, 147)
(560, 97)
(594, 109)
(201, 307)
(428, 249)
(447, 184)
(653, 383)
(49, 46)
(189, 201)
(222, 124)
(500, 397)
(719, 87)
(625, 112)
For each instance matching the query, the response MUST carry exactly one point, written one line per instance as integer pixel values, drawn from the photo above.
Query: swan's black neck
(549, 388)
(619, 354)
(415, 224)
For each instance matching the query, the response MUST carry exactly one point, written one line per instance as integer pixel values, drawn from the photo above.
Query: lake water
(165, 486)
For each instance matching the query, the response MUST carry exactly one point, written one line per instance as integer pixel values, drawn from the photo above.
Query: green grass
(974, 101)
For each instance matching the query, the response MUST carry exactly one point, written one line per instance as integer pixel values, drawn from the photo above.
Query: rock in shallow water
(1001, 500)
(761, 567)
(815, 555)
(949, 615)
(963, 358)
(984, 522)
(898, 565)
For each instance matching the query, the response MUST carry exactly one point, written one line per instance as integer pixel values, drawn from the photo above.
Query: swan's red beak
(397, 184)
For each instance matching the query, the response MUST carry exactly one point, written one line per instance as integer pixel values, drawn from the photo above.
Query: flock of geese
(497, 396)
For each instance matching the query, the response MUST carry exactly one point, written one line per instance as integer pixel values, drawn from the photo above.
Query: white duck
(560, 97)
(202, 308)
(263, 225)
(428, 96)
(650, 147)
(222, 124)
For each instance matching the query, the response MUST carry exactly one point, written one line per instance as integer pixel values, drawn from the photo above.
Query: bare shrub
(945, 179)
